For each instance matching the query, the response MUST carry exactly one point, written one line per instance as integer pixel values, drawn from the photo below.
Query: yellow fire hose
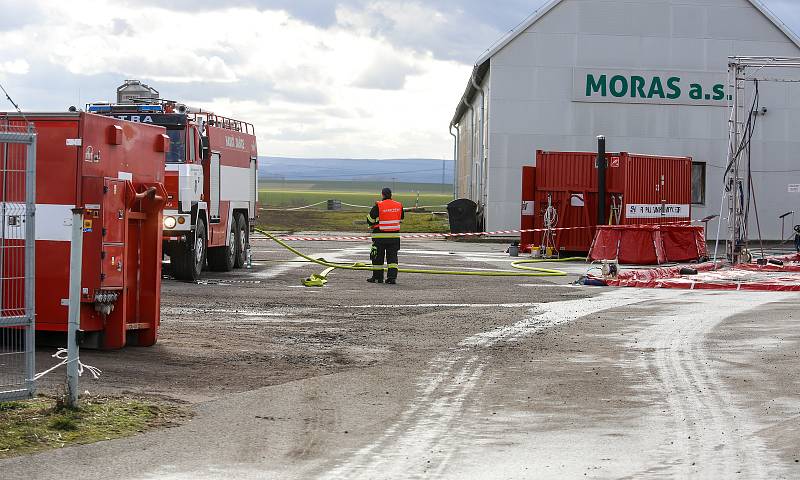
(318, 280)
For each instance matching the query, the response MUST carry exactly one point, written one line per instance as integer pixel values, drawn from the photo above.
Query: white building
(650, 75)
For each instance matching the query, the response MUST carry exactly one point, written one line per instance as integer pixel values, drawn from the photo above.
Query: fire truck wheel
(190, 258)
(242, 239)
(222, 259)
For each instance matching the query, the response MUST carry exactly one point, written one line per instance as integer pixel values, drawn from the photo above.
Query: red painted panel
(236, 148)
(56, 162)
(114, 134)
(52, 284)
(136, 155)
(171, 183)
(218, 232)
(575, 171)
(657, 180)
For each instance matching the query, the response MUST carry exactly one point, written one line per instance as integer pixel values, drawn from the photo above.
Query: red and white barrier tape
(450, 235)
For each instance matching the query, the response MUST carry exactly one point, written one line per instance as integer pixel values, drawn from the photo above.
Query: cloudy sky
(318, 78)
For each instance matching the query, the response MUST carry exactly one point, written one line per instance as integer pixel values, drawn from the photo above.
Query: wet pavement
(451, 377)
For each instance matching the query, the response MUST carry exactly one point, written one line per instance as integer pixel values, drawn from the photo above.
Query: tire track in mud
(710, 435)
(421, 442)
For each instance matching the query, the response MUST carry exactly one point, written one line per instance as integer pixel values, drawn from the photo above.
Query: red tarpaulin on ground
(719, 276)
(649, 244)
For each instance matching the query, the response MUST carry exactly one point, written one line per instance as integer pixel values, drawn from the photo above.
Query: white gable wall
(531, 102)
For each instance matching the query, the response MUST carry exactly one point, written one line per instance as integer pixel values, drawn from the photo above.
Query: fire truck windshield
(177, 146)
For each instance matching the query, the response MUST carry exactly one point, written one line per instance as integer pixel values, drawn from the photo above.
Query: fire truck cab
(211, 179)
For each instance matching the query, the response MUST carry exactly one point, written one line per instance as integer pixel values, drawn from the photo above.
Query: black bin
(463, 216)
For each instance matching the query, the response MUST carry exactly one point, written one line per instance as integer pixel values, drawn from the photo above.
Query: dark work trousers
(385, 248)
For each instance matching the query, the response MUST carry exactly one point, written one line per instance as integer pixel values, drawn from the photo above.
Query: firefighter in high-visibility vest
(384, 219)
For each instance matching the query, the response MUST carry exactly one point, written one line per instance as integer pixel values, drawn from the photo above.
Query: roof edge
(776, 21)
(480, 63)
(514, 32)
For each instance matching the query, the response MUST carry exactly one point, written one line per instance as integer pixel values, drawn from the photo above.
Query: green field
(317, 220)
(354, 186)
(299, 194)
(276, 197)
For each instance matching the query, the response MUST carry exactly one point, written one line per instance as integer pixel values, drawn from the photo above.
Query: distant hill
(412, 170)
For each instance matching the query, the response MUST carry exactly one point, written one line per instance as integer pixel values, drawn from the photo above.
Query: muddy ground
(255, 328)
(452, 377)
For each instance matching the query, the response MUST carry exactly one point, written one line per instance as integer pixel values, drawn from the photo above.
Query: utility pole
(443, 165)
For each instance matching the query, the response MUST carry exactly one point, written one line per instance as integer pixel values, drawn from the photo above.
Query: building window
(698, 183)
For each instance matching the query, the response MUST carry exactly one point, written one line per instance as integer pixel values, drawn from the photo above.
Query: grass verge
(44, 423)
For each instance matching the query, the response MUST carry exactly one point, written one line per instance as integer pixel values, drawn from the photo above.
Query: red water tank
(649, 244)
(640, 189)
(114, 171)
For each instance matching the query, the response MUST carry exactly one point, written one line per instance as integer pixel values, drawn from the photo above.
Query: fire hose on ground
(321, 278)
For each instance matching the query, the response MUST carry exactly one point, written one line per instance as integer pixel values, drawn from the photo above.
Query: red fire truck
(211, 180)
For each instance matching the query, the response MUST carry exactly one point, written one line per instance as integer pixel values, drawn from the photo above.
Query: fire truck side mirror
(204, 142)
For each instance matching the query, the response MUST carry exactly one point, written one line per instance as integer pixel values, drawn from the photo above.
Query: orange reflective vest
(390, 213)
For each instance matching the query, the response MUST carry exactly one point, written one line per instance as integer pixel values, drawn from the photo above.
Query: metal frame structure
(17, 261)
(738, 182)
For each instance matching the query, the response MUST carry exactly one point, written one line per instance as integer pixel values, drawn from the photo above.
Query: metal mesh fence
(17, 243)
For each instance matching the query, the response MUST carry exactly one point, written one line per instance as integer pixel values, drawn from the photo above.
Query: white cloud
(15, 67)
(310, 90)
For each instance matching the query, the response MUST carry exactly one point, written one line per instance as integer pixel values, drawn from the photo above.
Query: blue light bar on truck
(105, 108)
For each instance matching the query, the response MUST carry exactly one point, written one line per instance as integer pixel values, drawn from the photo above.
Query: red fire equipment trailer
(211, 180)
(640, 189)
(114, 171)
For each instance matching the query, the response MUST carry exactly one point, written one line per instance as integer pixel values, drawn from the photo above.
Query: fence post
(30, 260)
(75, 261)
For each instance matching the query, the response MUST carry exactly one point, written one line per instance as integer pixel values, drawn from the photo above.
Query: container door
(113, 211)
(113, 233)
(112, 266)
(214, 187)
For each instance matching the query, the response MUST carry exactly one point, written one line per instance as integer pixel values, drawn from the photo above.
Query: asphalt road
(451, 377)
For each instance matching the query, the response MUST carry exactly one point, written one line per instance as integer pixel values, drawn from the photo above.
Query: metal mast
(738, 188)
(737, 226)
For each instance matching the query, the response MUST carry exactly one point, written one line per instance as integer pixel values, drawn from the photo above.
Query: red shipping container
(640, 189)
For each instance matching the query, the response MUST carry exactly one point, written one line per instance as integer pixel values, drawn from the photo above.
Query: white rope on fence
(357, 206)
(61, 354)
(306, 206)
